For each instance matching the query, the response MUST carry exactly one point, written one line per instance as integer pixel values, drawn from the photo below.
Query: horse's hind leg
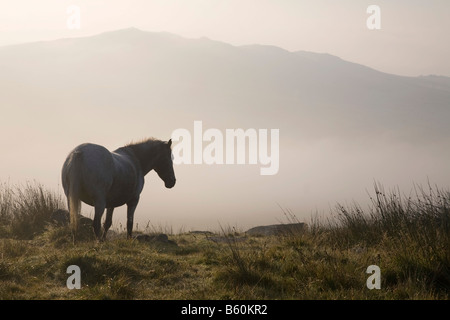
(108, 221)
(99, 209)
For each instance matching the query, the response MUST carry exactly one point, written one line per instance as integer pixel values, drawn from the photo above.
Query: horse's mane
(150, 140)
(140, 147)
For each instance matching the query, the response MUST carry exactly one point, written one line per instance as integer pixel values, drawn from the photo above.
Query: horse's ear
(169, 142)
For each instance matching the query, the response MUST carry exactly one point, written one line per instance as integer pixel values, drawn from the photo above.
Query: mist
(342, 126)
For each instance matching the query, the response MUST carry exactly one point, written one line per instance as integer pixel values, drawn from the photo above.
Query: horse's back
(95, 159)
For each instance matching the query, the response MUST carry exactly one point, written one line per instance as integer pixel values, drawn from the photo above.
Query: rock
(60, 217)
(201, 232)
(143, 238)
(159, 238)
(278, 229)
(219, 239)
(85, 221)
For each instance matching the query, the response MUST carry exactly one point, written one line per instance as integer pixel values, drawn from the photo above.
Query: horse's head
(164, 166)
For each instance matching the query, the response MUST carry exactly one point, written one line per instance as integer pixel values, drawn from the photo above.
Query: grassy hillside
(408, 237)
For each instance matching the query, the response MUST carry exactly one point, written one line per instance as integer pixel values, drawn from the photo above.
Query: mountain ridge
(127, 33)
(320, 92)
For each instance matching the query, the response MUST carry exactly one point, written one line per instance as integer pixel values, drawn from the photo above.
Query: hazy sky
(413, 39)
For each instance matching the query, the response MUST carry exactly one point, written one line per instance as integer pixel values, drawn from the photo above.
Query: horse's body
(105, 179)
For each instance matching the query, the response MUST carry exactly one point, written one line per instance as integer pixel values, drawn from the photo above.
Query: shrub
(414, 230)
(26, 211)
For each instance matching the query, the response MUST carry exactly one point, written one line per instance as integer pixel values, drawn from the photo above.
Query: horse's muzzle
(170, 184)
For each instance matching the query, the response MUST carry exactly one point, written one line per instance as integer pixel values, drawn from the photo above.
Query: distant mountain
(264, 84)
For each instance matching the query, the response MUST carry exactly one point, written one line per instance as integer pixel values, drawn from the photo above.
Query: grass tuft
(25, 211)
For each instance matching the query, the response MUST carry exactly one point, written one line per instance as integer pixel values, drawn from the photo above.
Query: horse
(103, 179)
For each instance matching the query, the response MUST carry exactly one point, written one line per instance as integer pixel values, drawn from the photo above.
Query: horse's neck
(145, 154)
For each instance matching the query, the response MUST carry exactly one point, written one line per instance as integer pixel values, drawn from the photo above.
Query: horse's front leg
(131, 207)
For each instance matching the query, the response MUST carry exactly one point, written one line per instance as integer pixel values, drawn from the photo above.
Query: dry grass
(407, 237)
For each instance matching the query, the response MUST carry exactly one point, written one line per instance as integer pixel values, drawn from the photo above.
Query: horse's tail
(74, 202)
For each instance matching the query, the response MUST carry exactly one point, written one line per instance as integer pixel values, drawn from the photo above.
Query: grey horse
(105, 179)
